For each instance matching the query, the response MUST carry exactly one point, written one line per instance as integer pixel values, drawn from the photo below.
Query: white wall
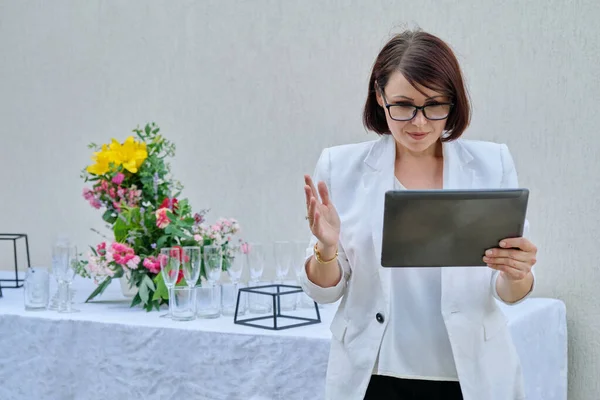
(252, 91)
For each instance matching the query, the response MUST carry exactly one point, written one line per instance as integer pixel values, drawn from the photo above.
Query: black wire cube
(275, 291)
(15, 282)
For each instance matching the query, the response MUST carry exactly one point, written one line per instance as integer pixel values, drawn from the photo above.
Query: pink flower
(152, 264)
(133, 196)
(198, 218)
(88, 193)
(123, 255)
(95, 203)
(198, 238)
(101, 249)
(134, 262)
(162, 259)
(162, 220)
(245, 248)
(118, 247)
(171, 204)
(118, 178)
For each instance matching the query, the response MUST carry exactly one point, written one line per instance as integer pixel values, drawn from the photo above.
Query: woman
(401, 333)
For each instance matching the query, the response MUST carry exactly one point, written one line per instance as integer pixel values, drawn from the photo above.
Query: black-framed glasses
(407, 111)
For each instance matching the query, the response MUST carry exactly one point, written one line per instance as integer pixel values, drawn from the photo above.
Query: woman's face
(419, 134)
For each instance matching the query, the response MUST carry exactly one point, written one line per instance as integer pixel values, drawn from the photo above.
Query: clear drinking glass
(243, 308)
(229, 294)
(288, 302)
(304, 301)
(260, 303)
(62, 239)
(256, 261)
(191, 265)
(36, 288)
(213, 262)
(208, 301)
(183, 303)
(299, 258)
(283, 253)
(170, 263)
(237, 265)
(64, 264)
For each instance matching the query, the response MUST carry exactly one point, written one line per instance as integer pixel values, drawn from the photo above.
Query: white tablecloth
(109, 351)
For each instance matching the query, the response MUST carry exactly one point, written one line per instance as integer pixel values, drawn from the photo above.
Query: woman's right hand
(322, 216)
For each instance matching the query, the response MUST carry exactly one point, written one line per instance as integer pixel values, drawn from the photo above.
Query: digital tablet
(438, 228)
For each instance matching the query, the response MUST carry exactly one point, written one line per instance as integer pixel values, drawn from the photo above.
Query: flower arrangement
(131, 181)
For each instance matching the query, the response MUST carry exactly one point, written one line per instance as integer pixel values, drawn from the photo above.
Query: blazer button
(379, 318)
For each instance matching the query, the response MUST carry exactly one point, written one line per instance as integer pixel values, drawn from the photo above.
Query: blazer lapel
(378, 179)
(457, 174)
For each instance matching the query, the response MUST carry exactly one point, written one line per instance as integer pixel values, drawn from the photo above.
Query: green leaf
(101, 287)
(109, 216)
(148, 282)
(175, 231)
(136, 300)
(161, 289)
(118, 274)
(143, 292)
(120, 229)
(156, 296)
(189, 221)
(146, 287)
(160, 243)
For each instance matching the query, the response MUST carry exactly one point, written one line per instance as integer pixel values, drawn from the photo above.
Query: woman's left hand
(515, 258)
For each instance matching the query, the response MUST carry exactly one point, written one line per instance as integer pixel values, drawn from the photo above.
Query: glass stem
(171, 300)
(68, 296)
(62, 295)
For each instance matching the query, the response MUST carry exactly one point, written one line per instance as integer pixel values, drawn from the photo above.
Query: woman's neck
(405, 154)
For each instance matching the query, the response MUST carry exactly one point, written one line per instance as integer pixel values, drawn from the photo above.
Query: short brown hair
(422, 59)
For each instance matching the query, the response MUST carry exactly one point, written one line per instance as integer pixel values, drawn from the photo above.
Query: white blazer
(358, 175)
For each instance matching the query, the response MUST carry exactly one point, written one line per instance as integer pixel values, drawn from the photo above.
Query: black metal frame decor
(15, 282)
(282, 290)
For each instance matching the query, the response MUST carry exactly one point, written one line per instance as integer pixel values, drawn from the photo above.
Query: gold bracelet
(320, 260)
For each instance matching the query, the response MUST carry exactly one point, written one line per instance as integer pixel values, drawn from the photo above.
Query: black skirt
(388, 388)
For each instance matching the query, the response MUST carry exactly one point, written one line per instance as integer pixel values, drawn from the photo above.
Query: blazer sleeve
(510, 180)
(317, 293)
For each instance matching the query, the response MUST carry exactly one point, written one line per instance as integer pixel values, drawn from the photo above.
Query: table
(109, 351)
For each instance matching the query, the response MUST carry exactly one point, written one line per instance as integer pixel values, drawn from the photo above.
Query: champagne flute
(64, 269)
(191, 265)
(284, 254)
(256, 261)
(170, 263)
(213, 262)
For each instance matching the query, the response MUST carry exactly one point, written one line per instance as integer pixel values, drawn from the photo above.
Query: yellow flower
(102, 160)
(131, 154)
